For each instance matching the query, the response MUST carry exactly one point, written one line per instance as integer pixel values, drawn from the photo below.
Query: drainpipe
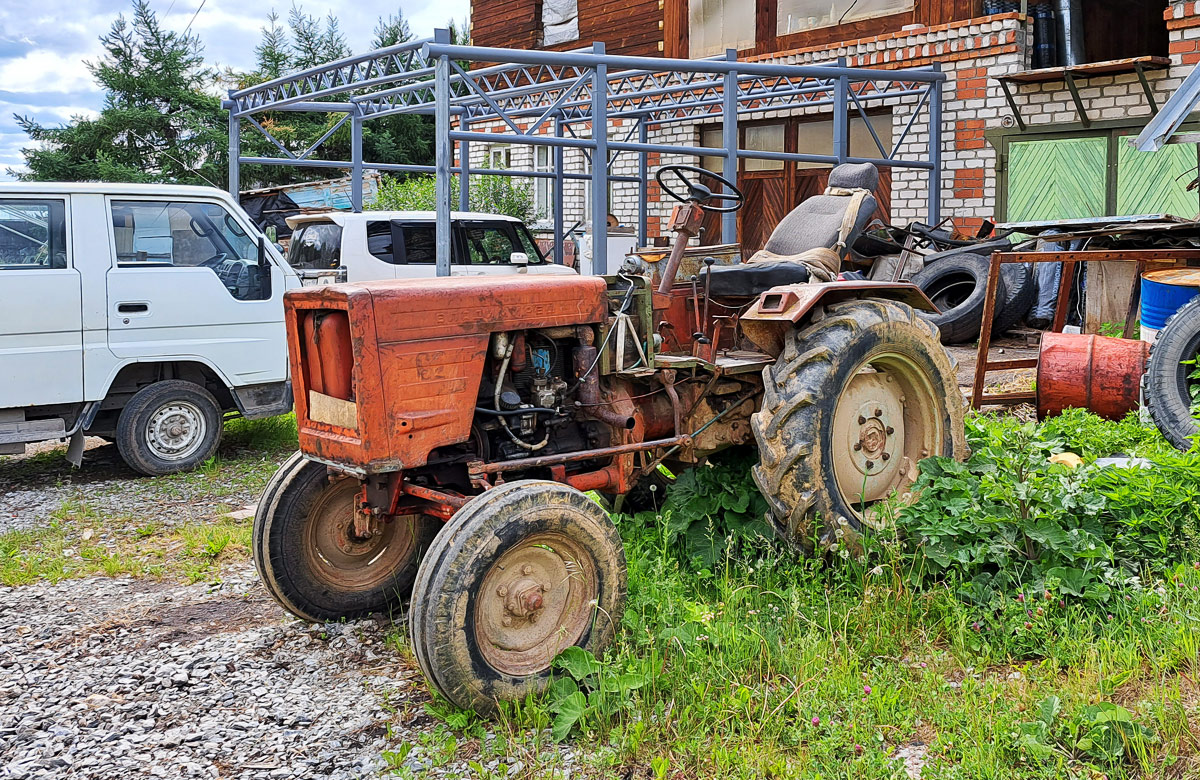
(1070, 32)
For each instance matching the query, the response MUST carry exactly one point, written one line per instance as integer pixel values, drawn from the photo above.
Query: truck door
(186, 284)
(41, 306)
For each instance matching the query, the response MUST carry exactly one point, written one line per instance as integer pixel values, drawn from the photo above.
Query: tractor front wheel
(309, 558)
(853, 403)
(520, 573)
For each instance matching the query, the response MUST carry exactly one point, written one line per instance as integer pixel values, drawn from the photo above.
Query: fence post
(935, 150)
(559, 193)
(356, 161)
(441, 115)
(643, 187)
(599, 182)
(729, 139)
(841, 116)
(235, 152)
(464, 171)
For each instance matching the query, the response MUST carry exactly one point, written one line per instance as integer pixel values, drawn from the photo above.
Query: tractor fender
(784, 308)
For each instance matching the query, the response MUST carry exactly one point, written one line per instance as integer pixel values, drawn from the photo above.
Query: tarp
(270, 209)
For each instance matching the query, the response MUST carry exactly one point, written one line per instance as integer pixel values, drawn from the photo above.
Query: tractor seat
(747, 280)
(816, 224)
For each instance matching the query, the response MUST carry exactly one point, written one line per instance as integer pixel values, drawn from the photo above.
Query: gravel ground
(35, 485)
(118, 677)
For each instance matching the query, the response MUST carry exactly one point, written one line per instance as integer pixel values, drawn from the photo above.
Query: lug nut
(870, 465)
(862, 420)
(502, 591)
(527, 569)
(890, 430)
(507, 621)
(886, 456)
(545, 587)
(878, 412)
(858, 446)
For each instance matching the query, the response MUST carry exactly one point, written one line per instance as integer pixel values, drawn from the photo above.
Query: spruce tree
(159, 122)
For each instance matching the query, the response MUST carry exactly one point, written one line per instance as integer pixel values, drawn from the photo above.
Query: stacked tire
(957, 285)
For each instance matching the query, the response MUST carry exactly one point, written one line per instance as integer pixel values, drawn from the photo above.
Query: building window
(543, 188)
(802, 15)
(499, 157)
(717, 25)
(560, 21)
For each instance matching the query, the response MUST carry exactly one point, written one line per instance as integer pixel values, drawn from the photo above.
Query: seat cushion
(816, 223)
(749, 279)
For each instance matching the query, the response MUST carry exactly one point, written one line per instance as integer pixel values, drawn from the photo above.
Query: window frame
(908, 6)
(112, 200)
(63, 202)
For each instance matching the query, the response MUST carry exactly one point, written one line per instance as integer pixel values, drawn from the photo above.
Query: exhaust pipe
(585, 361)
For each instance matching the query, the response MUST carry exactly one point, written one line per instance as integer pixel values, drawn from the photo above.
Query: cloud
(44, 46)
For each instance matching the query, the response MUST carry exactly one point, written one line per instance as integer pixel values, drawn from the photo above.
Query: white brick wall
(973, 55)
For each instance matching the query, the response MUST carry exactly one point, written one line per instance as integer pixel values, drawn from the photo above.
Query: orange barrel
(1090, 372)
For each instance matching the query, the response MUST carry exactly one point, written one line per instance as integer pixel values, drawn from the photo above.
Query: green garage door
(1097, 175)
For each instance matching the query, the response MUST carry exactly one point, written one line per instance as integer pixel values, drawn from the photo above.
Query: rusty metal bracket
(1070, 261)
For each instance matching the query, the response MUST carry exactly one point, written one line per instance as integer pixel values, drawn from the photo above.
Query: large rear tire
(520, 573)
(1166, 386)
(309, 559)
(853, 403)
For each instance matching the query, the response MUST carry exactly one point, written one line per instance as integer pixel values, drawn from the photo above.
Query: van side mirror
(518, 258)
(262, 252)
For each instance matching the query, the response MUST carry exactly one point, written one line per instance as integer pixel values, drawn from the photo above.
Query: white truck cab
(372, 245)
(140, 313)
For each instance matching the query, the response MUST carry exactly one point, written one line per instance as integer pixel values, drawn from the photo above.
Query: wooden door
(767, 202)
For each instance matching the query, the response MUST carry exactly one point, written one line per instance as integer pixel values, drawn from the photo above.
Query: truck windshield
(316, 246)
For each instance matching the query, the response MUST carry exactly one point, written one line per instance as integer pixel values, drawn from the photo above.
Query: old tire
(169, 426)
(1020, 291)
(1165, 386)
(957, 285)
(869, 379)
(308, 559)
(520, 573)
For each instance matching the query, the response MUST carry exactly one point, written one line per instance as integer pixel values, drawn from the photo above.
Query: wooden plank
(1109, 290)
(1110, 68)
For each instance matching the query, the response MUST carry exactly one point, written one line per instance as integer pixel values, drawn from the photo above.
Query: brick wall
(973, 54)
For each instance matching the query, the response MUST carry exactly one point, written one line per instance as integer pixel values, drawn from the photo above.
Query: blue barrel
(1165, 292)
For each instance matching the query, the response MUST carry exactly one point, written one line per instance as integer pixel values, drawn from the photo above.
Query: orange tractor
(449, 430)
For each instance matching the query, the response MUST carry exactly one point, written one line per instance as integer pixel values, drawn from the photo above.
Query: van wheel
(169, 426)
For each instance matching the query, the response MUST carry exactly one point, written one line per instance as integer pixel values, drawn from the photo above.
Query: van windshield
(316, 246)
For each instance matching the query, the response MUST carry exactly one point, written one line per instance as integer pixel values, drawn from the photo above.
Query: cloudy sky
(45, 43)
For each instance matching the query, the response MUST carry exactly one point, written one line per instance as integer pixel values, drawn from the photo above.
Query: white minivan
(372, 245)
(140, 313)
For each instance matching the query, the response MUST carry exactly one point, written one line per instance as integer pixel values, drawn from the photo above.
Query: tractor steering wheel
(696, 191)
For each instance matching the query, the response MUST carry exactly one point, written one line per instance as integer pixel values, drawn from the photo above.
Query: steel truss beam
(540, 98)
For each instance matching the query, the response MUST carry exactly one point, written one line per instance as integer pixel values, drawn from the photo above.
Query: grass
(765, 665)
(768, 665)
(84, 538)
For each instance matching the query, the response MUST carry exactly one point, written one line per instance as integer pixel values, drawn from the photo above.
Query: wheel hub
(535, 600)
(884, 422)
(175, 431)
(340, 557)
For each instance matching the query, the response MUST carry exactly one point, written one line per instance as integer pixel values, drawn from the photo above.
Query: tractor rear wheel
(309, 558)
(520, 573)
(853, 403)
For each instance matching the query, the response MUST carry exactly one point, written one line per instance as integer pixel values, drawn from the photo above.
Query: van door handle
(132, 308)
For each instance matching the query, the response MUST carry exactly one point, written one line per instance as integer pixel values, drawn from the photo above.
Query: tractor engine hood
(384, 372)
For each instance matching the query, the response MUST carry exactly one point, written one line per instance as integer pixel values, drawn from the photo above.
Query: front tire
(1166, 386)
(520, 573)
(853, 403)
(169, 426)
(308, 558)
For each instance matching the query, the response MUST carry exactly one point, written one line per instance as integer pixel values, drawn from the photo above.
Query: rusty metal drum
(1100, 374)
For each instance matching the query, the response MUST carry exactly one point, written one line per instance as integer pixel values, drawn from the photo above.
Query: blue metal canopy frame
(462, 86)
